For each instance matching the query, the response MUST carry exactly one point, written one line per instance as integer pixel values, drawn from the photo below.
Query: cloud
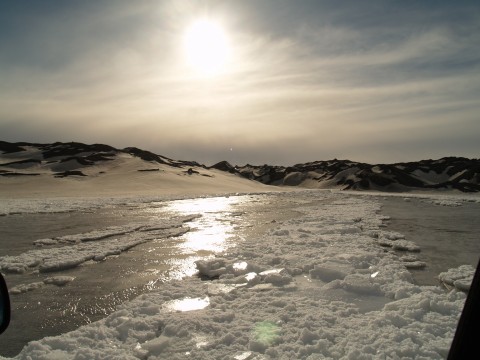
(327, 84)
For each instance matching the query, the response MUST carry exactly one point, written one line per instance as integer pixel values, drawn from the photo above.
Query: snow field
(319, 286)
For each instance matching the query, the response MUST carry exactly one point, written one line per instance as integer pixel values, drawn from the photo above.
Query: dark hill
(444, 174)
(447, 173)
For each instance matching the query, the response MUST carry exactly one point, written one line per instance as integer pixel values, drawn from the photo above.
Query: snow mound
(294, 179)
(459, 278)
(59, 280)
(331, 270)
(54, 280)
(26, 287)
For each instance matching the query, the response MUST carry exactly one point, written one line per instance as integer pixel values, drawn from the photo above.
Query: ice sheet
(297, 294)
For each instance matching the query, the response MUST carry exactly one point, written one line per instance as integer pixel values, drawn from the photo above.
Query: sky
(371, 81)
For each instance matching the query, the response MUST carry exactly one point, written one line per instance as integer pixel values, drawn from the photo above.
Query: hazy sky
(374, 81)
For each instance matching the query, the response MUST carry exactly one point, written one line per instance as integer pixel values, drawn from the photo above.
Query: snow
(294, 178)
(459, 278)
(326, 284)
(53, 280)
(88, 246)
(105, 180)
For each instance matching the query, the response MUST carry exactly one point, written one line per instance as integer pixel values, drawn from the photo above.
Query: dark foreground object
(4, 305)
(466, 344)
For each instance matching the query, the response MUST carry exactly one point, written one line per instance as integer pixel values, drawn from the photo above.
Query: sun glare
(206, 48)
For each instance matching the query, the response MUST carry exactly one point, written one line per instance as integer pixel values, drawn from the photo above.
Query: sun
(206, 46)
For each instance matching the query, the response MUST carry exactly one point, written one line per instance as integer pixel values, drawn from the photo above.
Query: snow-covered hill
(76, 169)
(133, 169)
(447, 173)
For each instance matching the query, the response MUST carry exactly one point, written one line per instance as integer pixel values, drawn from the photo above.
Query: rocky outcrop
(6, 147)
(59, 149)
(447, 173)
(149, 156)
(224, 166)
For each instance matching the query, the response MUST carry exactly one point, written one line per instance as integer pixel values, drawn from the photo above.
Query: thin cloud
(322, 85)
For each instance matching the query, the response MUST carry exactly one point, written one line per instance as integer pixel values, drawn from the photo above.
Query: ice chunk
(217, 289)
(405, 245)
(187, 304)
(59, 280)
(25, 287)
(463, 284)
(459, 278)
(156, 346)
(41, 242)
(247, 355)
(211, 268)
(281, 271)
(361, 284)
(58, 265)
(253, 278)
(240, 266)
(331, 270)
(415, 264)
(277, 279)
(393, 235)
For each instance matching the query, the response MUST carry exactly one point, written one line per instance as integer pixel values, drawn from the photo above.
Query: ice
(247, 355)
(331, 270)
(361, 284)
(59, 280)
(26, 287)
(293, 292)
(415, 264)
(459, 278)
(54, 280)
(277, 278)
(405, 245)
(240, 266)
(187, 304)
(399, 245)
(113, 231)
(211, 268)
(76, 249)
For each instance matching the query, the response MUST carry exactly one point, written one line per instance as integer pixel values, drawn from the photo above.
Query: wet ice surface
(94, 242)
(305, 275)
(446, 232)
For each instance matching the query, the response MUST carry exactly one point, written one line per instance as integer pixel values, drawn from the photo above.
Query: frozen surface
(327, 283)
(84, 247)
(446, 234)
(209, 225)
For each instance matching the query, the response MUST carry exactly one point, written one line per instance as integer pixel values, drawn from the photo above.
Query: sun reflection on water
(213, 227)
(211, 231)
(202, 205)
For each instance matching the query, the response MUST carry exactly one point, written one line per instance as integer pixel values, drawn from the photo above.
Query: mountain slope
(447, 173)
(76, 169)
(76, 160)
